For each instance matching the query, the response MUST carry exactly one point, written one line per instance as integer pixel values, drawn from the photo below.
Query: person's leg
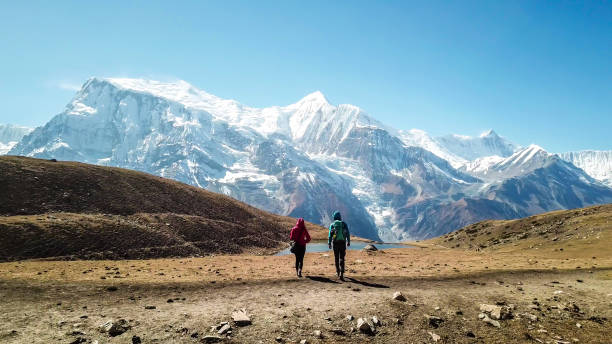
(302, 252)
(297, 262)
(336, 258)
(342, 255)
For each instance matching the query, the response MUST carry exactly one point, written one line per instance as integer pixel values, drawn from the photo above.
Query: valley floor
(66, 302)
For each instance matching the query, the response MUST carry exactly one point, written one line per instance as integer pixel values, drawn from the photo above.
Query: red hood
(299, 224)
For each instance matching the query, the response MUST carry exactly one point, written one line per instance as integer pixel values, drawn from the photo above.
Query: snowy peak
(10, 135)
(316, 97)
(524, 161)
(489, 133)
(471, 148)
(598, 164)
(526, 156)
(179, 91)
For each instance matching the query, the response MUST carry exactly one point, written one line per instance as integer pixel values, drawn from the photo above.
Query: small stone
(376, 321)
(303, 341)
(497, 312)
(279, 339)
(433, 320)
(115, 328)
(398, 296)
(112, 288)
(150, 307)
(349, 317)
(437, 309)
(434, 336)
(370, 248)
(317, 334)
(470, 334)
(211, 339)
(136, 340)
(579, 325)
(363, 326)
(170, 301)
(491, 321)
(241, 318)
(224, 329)
(338, 331)
(530, 316)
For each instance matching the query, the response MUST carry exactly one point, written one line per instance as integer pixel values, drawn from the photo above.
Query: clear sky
(535, 71)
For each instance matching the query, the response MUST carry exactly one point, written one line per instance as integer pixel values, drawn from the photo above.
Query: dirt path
(70, 300)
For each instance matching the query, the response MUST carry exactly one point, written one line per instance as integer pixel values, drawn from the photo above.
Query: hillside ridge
(69, 210)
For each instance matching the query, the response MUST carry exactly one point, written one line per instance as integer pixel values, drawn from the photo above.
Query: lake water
(356, 245)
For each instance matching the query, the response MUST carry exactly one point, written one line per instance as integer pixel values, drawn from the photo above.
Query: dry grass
(584, 232)
(69, 210)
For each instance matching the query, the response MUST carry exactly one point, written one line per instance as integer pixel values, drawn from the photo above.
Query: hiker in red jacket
(299, 234)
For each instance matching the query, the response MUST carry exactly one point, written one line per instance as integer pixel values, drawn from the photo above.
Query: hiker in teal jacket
(340, 237)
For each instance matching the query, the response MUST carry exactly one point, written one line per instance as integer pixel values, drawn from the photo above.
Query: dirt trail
(49, 302)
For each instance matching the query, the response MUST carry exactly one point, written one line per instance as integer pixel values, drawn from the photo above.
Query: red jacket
(299, 233)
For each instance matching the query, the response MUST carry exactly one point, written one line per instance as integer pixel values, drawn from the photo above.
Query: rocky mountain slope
(310, 158)
(74, 210)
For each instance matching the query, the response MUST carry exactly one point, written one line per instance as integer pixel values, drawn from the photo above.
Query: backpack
(338, 233)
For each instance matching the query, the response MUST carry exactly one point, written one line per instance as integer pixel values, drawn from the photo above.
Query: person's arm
(348, 235)
(292, 234)
(307, 235)
(329, 236)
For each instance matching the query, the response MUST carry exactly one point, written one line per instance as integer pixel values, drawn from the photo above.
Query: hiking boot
(299, 273)
(342, 276)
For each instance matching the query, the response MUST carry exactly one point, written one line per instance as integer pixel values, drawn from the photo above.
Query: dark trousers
(300, 251)
(339, 253)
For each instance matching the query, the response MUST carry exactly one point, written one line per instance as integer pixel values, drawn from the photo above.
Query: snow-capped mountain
(305, 159)
(598, 164)
(520, 163)
(471, 148)
(10, 135)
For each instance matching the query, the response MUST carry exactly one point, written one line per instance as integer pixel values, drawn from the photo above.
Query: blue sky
(535, 71)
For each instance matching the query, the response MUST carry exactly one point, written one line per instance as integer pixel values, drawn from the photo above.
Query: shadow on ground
(367, 284)
(321, 279)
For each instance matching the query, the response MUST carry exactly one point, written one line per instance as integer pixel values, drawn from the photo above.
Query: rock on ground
(370, 247)
(363, 326)
(434, 336)
(224, 329)
(488, 320)
(496, 312)
(115, 328)
(241, 318)
(398, 296)
(433, 320)
(211, 339)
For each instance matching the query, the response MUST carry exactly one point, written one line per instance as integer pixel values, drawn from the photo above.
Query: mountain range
(311, 157)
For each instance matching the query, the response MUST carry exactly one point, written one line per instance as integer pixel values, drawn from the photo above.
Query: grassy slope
(75, 210)
(579, 232)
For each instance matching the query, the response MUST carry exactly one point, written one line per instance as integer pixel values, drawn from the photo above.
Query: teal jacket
(345, 229)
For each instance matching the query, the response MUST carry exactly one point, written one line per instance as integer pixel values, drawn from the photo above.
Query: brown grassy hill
(73, 210)
(583, 231)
